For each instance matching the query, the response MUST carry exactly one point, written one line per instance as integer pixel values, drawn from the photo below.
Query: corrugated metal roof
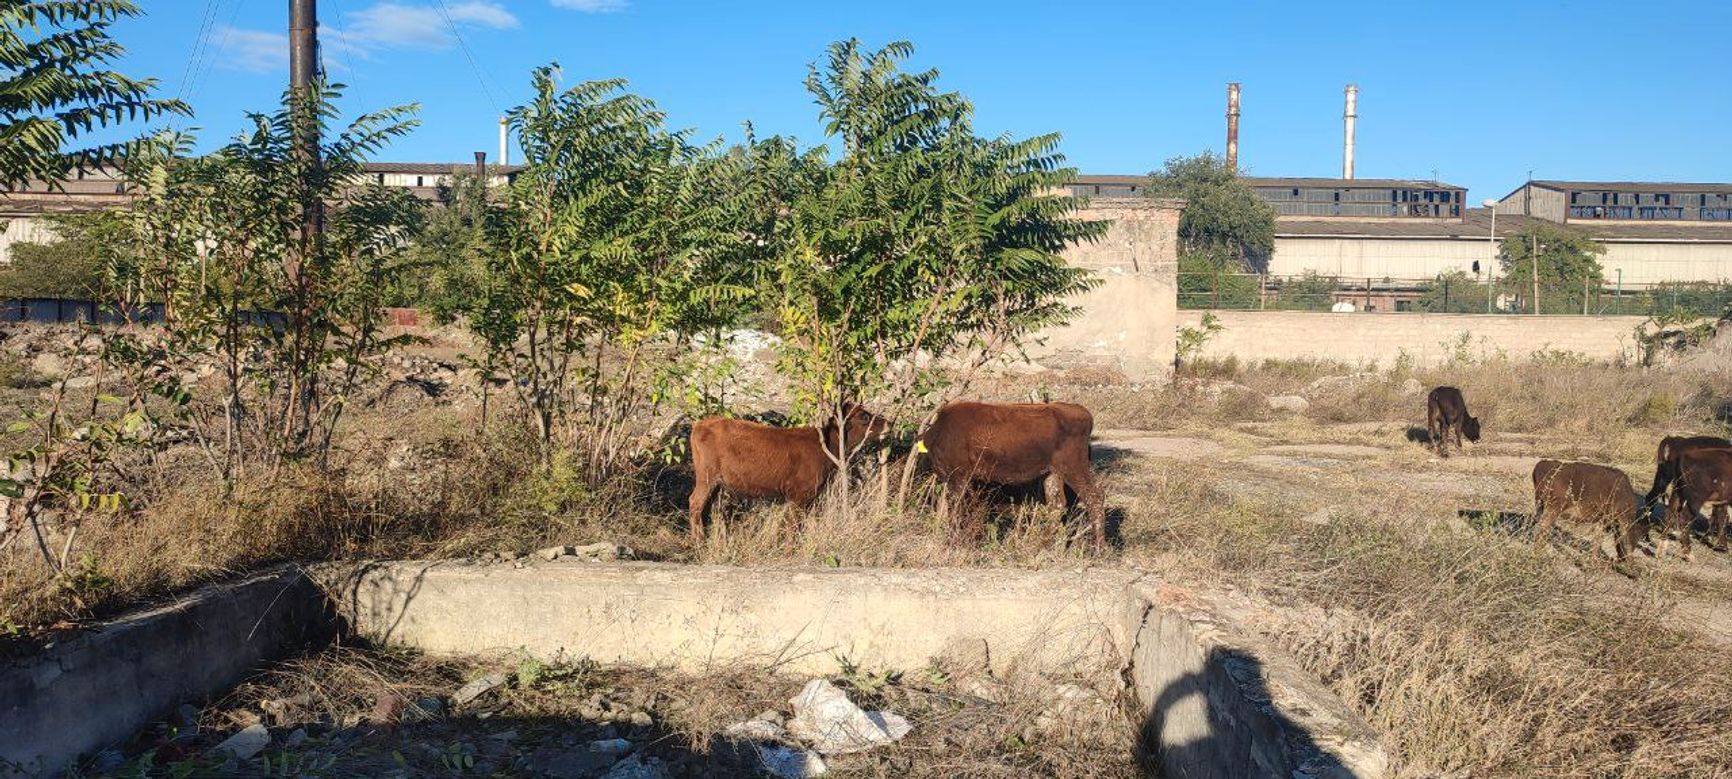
(1631, 186)
(1477, 224)
(1284, 181)
(434, 168)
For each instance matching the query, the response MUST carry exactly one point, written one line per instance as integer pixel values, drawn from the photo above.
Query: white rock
(1292, 403)
(825, 717)
(637, 767)
(556, 552)
(756, 730)
(787, 762)
(605, 550)
(247, 743)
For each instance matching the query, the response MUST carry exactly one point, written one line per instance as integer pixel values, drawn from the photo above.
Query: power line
(473, 65)
(200, 44)
(222, 45)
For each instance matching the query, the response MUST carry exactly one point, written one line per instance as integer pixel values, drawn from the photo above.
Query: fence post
(1262, 291)
(1446, 294)
(1367, 293)
(1215, 290)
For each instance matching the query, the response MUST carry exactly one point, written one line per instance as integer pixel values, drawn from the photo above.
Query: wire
(200, 45)
(222, 46)
(473, 65)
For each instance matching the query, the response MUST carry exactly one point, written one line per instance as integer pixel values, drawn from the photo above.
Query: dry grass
(546, 710)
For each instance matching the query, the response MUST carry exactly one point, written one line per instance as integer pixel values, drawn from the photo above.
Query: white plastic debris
(833, 725)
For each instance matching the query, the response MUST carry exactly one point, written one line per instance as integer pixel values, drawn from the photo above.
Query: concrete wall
(1218, 702)
(1126, 323)
(96, 689)
(1213, 699)
(1429, 338)
(690, 617)
(1401, 258)
(1642, 262)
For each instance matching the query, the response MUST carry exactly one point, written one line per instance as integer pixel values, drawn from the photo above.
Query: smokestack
(481, 165)
(504, 142)
(1348, 119)
(1233, 126)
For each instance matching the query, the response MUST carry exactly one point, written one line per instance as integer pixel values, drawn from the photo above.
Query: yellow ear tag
(920, 447)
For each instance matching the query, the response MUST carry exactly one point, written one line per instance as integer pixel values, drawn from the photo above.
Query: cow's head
(861, 426)
(1470, 428)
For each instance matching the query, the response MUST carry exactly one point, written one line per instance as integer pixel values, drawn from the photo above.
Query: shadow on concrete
(1218, 723)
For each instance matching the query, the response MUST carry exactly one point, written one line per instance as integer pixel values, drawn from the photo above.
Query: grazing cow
(758, 461)
(1591, 494)
(1016, 443)
(1704, 482)
(1445, 416)
(1666, 459)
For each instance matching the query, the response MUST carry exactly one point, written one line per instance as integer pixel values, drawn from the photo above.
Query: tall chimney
(1348, 120)
(504, 142)
(1233, 126)
(481, 165)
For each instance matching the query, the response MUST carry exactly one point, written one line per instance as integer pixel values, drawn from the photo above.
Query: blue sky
(1479, 92)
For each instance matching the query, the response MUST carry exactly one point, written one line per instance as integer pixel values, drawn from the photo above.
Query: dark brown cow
(1445, 416)
(1590, 494)
(758, 461)
(1016, 443)
(1704, 482)
(1666, 459)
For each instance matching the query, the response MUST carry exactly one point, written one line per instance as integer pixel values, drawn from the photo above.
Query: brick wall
(1382, 337)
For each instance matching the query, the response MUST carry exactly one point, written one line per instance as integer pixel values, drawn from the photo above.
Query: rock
(604, 551)
(986, 689)
(49, 364)
(1411, 386)
(430, 708)
(107, 760)
(637, 767)
(80, 382)
(825, 717)
(478, 688)
(295, 739)
(246, 743)
(556, 552)
(1076, 709)
(1319, 517)
(1289, 403)
(787, 762)
(387, 710)
(642, 719)
(588, 761)
(758, 729)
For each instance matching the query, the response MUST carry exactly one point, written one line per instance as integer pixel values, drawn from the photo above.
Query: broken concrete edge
(97, 688)
(1319, 734)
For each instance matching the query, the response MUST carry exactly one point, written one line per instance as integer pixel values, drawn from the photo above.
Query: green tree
(925, 251)
(616, 239)
(56, 85)
(1455, 292)
(448, 251)
(73, 265)
(1225, 226)
(1568, 265)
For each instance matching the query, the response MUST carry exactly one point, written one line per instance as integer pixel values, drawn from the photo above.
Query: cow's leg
(698, 503)
(1718, 528)
(1458, 445)
(1662, 478)
(1683, 512)
(1543, 520)
(1434, 430)
(1079, 477)
(965, 526)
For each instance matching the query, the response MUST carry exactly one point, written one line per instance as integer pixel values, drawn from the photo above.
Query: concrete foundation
(1214, 699)
(94, 690)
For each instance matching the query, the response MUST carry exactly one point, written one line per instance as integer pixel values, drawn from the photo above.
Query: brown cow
(1016, 443)
(1446, 415)
(758, 461)
(1666, 459)
(1592, 494)
(1704, 482)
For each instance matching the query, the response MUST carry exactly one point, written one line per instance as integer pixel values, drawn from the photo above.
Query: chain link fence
(1457, 293)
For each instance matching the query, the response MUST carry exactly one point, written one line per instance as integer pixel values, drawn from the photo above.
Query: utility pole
(303, 80)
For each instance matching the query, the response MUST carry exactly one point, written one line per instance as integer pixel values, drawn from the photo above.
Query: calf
(758, 461)
(1666, 459)
(1017, 443)
(1445, 416)
(1704, 482)
(1591, 494)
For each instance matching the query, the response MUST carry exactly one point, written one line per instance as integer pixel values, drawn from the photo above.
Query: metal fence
(67, 311)
(1451, 293)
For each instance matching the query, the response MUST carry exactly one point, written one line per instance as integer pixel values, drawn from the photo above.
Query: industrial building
(1602, 202)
